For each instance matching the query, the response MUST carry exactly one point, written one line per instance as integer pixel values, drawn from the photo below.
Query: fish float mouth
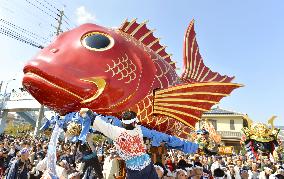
(99, 82)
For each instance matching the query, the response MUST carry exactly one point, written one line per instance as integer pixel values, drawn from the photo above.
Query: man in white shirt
(128, 142)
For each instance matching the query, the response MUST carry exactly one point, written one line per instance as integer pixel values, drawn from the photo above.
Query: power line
(21, 11)
(69, 21)
(46, 7)
(40, 9)
(36, 36)
(51, 5)
(15, 31)
(16, 36)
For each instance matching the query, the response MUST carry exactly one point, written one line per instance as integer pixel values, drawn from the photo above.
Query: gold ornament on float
(261, 132)
(73, 129)
(47, 132)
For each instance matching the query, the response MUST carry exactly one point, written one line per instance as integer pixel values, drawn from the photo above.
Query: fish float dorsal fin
(140, 32)
(187, 102)
(194, 69)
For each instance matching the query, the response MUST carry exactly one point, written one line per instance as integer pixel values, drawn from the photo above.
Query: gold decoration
(225, 150)
(138, 40)
(261, 132)
(100, 83)
(130, 24)
(152, 43)
(139, 27)
(166, 56)
(197, 84)
(124, 22)
(123, 67)
(47, 132)
(160, 49)
(73, 129)
(146, 35)
(248, 120)
(271, 121)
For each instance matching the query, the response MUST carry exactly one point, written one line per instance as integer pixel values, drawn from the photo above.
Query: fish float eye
(97, 41)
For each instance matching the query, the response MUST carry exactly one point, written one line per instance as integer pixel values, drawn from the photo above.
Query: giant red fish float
(114, 70)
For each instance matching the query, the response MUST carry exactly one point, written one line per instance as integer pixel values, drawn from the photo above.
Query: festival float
(260, 140)
(207, 139)
(114, 70)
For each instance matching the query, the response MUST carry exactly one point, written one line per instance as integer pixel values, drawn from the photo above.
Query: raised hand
(83, 112)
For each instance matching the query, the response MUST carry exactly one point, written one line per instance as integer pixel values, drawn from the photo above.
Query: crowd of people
(124, 153)
(24, 157)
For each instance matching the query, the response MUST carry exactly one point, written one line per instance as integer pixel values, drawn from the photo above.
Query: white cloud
(83, 16)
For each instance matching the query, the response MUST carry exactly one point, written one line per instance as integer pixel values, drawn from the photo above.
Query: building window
(232, 125)
(214, 123)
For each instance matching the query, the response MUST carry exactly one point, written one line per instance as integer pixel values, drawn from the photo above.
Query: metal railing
(230, 134)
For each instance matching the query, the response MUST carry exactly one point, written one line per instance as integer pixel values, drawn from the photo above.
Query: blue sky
(237, 38)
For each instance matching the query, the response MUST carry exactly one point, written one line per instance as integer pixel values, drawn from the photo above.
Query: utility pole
(58, 29)
(4, 113)
(41, 110)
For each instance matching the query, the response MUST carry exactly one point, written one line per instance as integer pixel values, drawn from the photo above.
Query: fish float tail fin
(187, 102)
(194, 67)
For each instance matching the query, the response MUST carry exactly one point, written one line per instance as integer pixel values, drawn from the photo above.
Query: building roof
(219, 111)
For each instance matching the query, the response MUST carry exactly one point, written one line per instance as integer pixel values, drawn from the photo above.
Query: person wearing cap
(20, 167)
(128, 142)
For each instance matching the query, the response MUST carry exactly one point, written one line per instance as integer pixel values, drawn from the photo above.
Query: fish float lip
(98, 81)
(34, 75)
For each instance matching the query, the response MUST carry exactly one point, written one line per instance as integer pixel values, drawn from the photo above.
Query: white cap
(188, 169)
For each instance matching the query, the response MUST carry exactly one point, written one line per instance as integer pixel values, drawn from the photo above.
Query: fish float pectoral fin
(187, 102)
(100, 83)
